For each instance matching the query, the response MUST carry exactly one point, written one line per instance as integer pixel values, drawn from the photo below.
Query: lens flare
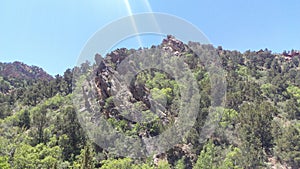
(149, 8)
(129, 10)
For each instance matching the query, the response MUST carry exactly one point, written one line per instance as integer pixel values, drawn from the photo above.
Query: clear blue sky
(51, 33)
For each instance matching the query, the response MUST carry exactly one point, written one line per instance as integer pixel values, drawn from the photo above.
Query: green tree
(40, 156)
(24, 119)
(206, 157)
(255, 132)
(87, 160)
(4, 162)
(68, 77)
(163, 164)
(72, 129)
(39, 122)
(180, 164)
(231, 159)
(287, 143)
(124, 163)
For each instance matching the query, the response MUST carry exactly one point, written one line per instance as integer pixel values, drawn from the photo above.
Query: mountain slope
(257, 128)
(20, 71)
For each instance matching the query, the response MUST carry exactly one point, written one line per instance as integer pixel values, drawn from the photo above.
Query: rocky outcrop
(173, 45)
(106, 84)
(115, 98)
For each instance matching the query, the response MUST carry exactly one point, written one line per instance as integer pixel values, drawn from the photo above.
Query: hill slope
(19, 70)
(257, 128)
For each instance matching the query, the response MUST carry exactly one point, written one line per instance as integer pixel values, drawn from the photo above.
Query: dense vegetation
(259, 127)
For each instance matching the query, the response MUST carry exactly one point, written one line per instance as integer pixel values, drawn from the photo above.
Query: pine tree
(87, 159)
(24, 119)
(206, 157)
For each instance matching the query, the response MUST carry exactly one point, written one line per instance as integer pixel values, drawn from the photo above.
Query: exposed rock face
(107, 68)
(118, 55)
(178, 152)
(173, 45)
(20, 70)
(102, 81)
(107, 85)
(129, 97)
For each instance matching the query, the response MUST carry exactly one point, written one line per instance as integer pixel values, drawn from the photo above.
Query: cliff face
(20, 70)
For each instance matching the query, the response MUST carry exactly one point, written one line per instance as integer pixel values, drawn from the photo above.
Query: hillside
(19, 70)
(255, 126)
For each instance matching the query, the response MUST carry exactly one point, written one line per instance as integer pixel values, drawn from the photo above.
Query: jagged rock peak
(172, 44)
(117, 55)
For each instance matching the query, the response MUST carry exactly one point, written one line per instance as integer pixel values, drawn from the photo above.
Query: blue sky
(52, 33)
